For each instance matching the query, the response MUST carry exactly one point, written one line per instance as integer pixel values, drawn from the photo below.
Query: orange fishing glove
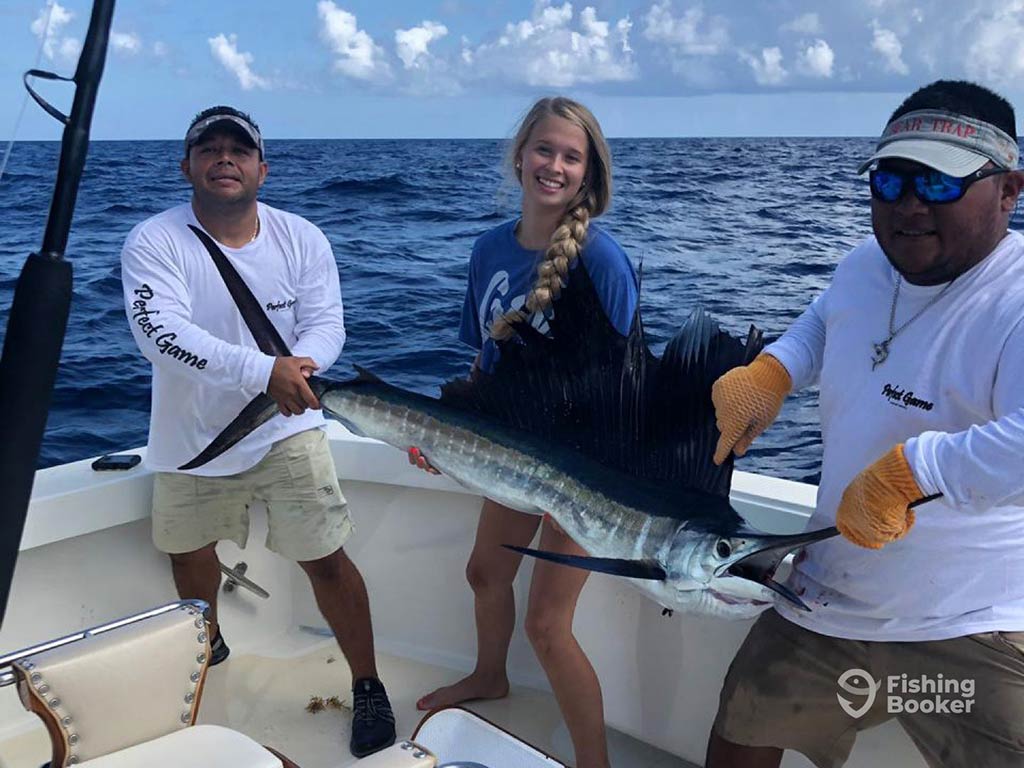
(874, 508)
(747, 400)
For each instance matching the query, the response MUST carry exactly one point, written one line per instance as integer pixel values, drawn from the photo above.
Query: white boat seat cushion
(202, 746)
(457, 735)
(122, 687)
(404, 754)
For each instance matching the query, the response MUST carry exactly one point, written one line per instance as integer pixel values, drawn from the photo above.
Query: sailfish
(591, 427)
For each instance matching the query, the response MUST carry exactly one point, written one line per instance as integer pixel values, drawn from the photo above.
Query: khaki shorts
(782, 690)
(306, 512)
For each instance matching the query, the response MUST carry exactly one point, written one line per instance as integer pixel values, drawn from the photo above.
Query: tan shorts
(306, 512)
(783, 690)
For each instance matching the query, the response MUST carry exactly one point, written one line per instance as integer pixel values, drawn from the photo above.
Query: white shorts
(306, 512)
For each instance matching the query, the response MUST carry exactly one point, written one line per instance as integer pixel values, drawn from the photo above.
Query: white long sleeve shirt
(206, 365)
(952, 389)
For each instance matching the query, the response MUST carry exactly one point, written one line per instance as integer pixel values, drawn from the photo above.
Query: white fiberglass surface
(267, 697)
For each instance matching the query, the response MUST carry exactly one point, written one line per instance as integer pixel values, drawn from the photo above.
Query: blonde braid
(591, 200)
(553, 271)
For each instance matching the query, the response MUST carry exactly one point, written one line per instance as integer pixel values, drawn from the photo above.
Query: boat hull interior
(86, 558)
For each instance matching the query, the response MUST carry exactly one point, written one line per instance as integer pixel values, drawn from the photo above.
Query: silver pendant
(881, 353)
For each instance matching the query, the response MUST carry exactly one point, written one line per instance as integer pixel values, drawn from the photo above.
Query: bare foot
(472, 687)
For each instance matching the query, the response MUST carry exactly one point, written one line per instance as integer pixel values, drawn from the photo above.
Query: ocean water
(751, 229)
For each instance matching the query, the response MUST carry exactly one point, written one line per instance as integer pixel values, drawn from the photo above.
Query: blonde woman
(562, 162)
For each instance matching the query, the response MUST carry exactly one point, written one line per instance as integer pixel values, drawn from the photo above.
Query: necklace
(256, 231)
(881, 348)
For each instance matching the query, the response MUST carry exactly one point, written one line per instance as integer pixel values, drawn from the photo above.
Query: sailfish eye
(723, 549)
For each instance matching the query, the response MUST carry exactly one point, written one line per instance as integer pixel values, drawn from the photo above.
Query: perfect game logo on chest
(902, 397)
(279, 305)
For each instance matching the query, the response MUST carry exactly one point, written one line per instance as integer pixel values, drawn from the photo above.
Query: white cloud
(225, 50)
(69, 49)
(125, 42)
(691, 34)
(160, 48)
(50, 33)
(807, 24)
(411, 44)
(548, 50)
(768, 69)
(691, 44)
(357, 55)
(996, 54)
(424, 72)
(624, 27)
(889, 47)
(816, 60)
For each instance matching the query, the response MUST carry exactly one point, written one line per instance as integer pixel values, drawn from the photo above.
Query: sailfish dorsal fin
(588, 387)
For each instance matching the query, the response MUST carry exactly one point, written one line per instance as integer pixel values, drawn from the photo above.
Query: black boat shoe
(373, 722)
(218, 649)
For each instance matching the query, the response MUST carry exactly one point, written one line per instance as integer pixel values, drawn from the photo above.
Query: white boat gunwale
(104, 499)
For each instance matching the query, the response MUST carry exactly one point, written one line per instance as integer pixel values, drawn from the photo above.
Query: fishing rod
(42, 300)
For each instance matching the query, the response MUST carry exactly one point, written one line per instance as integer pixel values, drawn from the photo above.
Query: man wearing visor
(917, 611)
(207, 367)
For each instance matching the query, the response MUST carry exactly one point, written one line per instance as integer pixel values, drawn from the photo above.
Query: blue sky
(469, 68)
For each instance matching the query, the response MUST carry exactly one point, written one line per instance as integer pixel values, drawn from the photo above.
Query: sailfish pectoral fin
(631, 569)
(259, 411)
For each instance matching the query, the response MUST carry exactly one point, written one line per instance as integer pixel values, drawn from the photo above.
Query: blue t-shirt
(502, 272)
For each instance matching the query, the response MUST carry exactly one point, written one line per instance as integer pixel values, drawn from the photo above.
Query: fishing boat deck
(266, 695)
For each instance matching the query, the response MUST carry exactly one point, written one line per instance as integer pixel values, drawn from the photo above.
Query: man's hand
(874, 509)
(288, 385)
(747, 400)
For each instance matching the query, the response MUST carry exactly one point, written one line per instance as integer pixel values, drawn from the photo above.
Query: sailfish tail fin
(262, 407)
(258, 412)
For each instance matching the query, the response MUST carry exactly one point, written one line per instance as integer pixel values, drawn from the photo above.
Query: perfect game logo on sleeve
(143, 317)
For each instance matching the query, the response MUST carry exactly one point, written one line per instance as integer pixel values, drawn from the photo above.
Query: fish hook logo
(848, 682)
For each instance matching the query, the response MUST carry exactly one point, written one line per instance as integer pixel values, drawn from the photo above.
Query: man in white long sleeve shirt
(917, 612)
(207, 367)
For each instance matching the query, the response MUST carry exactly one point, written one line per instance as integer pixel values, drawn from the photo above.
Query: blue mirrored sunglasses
(931, 187)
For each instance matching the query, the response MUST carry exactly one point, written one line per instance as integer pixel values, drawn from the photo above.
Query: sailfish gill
(589, 426)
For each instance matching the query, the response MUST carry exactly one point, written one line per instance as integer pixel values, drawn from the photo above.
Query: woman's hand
(417, 459)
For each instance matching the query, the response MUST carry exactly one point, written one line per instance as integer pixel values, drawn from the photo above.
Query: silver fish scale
(511, 477)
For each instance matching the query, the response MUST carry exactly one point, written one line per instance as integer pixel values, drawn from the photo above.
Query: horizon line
(470, 138)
